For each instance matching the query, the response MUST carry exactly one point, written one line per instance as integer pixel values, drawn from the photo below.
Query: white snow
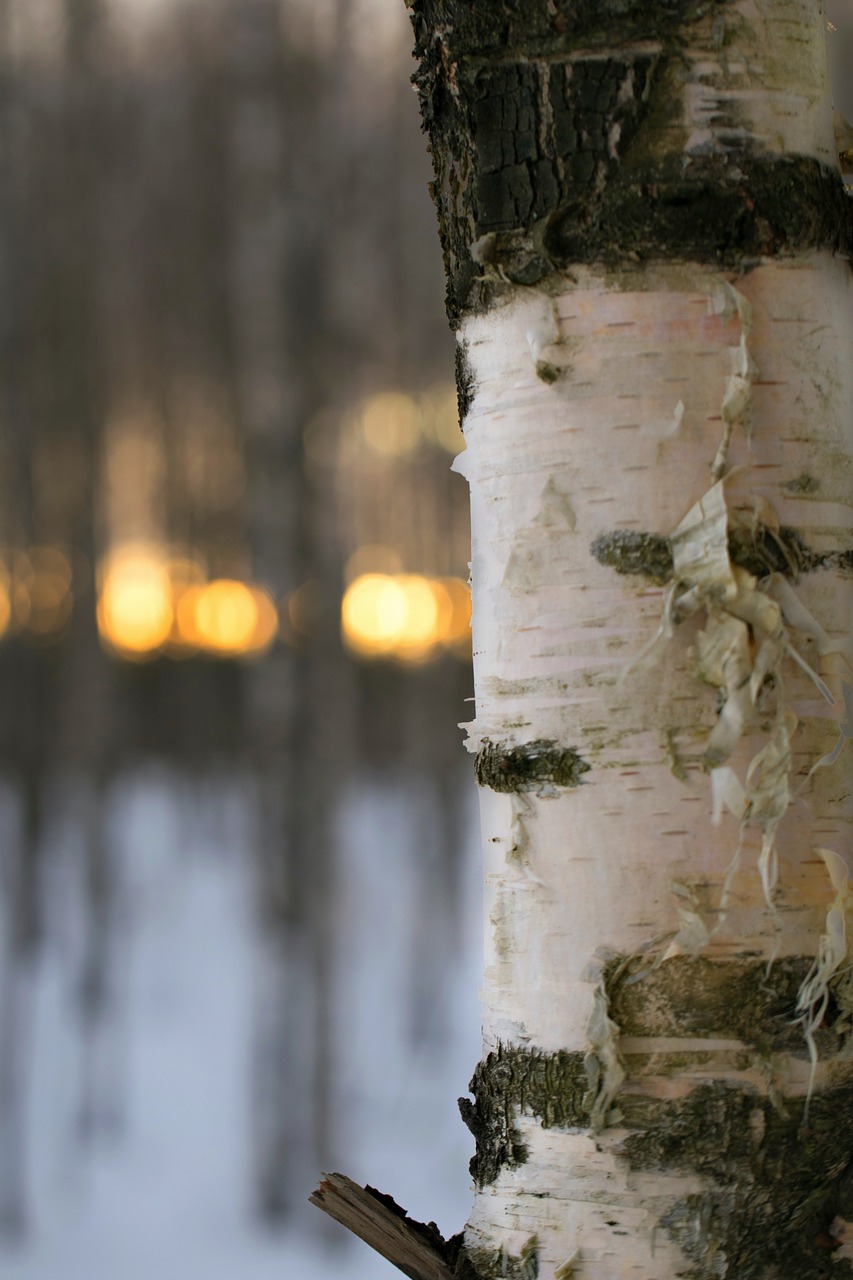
(167, 1194)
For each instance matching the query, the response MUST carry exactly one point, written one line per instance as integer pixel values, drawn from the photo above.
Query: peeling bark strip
(418, 1249)
(529, 767)
(551, 152)
(759, 550)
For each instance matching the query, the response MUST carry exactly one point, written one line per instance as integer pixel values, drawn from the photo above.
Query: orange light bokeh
(150, 604)
(390, 423)
(456, 622)
(228, 617)
(135, 607)
(5, 602)
(407, 617)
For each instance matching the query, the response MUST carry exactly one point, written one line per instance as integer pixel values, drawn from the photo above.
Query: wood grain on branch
(418, 1249)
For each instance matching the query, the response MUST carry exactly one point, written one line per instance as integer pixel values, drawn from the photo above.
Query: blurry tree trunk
(647, 248)
(17, 984)
(100, 1104)
(84, 742)
(25, 677)
(275, 265)
(19, 938)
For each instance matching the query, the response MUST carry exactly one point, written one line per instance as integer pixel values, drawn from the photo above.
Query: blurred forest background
(239, 937)
(234, 621)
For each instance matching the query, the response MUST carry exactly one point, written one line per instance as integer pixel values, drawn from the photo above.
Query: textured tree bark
(647, 249)
(647, 246)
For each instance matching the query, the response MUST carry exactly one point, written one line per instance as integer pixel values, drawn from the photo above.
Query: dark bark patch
(497, 1264)
(711, 211)
(776, 1179)
(803, 483)
(758, 549)
(552, 27)
(732, 999)
(556, 154)
(762, 550)
(775, 1172)
(532, 766)
(465, 383)
(647, 555)
(840, 560)
(552, 1087)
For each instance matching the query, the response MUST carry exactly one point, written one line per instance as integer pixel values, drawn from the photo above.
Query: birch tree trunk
(647, 245)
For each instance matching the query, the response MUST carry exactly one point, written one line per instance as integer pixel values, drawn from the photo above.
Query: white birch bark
(625, 438)
(614, 401)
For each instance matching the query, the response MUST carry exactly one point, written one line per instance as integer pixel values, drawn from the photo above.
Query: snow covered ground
(166, 1195)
